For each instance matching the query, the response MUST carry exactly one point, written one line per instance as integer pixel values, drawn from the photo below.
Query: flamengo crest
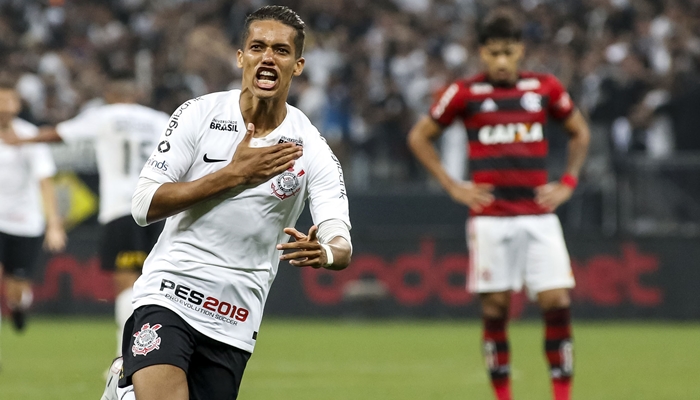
(286, 184)
(146, 340)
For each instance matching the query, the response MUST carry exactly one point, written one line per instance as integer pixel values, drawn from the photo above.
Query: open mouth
(266, 78)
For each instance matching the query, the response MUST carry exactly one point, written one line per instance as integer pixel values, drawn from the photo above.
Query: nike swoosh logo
(211, 160)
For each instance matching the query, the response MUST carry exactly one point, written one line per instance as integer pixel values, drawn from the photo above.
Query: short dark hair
(500, 24)
(284, 15)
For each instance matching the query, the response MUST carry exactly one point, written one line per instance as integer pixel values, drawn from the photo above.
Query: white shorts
(507, 252)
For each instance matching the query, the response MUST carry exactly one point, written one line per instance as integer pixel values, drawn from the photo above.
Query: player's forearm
(424, 150)
(342, 253)
(579, 140)
(48, 194)
(47, 134)
(173, 198)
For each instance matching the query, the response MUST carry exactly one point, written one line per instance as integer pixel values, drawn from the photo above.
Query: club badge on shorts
(146, 340)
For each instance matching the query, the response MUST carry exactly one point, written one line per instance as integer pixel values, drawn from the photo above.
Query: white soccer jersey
(123, 135)
(214, 263)
(21, 169)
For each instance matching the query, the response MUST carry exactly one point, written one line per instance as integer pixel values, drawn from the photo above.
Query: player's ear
(299, 66)
(239, 58)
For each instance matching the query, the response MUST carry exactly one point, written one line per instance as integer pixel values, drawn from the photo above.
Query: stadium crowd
(372, 67)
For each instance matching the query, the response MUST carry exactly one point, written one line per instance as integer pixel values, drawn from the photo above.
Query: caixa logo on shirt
(199, 302)
(511, 133)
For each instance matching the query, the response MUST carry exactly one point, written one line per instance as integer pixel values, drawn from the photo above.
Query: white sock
(26, 300)
(122, 312)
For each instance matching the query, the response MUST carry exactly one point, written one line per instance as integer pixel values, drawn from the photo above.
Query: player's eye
(255, 47)
(282, 50)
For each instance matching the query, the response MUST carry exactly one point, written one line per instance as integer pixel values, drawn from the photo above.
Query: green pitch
(64, 359)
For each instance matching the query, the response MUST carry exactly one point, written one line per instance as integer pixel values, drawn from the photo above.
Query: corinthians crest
(286, 184)
(146, 340)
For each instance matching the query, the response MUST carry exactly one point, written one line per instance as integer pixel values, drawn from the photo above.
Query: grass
(64, 359)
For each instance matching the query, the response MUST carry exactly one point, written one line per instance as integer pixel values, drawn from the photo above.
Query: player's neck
(511, 81)
(266, 114)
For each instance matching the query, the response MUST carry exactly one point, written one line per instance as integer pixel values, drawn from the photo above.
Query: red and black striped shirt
(505, 126)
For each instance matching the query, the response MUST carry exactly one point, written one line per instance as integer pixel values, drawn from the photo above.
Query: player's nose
(268, 55)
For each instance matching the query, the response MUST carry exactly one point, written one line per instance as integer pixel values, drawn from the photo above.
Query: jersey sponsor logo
(528, 84)
(445, 100)
(287, 184)
(531, 102)
(199, 302)
(511, 133)
(155, 164)
(224, 125)
(489, 105)
(481, 88)
(212, 160)
(297, 142)
(147, 340)
(173, 123)
(164, 146)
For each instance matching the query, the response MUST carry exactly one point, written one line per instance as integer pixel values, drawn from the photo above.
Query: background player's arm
(249, 166)
(553, 194)
(55, 238)
(47, 134)
(420, 140)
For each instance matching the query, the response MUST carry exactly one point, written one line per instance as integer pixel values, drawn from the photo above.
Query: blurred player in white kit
(123, 133)
(28, 211)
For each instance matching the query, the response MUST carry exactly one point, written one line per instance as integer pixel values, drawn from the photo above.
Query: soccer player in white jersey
(231, 175)
(123, 134)
(25, 183)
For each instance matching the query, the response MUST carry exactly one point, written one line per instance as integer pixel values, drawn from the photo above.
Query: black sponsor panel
(410, 260)
(501, 163)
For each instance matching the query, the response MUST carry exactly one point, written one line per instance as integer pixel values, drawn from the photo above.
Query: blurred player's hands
(476, 196)
(306, 249)
(55, 238)
(552, 195)
(255, 165)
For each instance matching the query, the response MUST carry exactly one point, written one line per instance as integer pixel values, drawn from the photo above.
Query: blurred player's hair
(500, 24)
(284, 15)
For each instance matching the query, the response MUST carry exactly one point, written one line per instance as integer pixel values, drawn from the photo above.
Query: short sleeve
(448, 105)
(327, 195)
(84, 126)
(41, 161)
(560, 104)
(174, 153)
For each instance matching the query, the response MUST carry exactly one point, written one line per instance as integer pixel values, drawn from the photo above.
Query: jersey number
(144, 153)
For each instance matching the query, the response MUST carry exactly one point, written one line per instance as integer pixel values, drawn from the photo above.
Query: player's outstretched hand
(476, 196)
(552, 195)
(258, 164)
(305, 251)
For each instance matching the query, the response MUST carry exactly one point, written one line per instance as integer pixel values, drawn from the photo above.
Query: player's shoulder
(23, 128)
(473, 85)
(302, 128)
(216, 99)
(530, 80)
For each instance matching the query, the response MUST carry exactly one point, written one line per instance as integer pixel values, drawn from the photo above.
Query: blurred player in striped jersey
(514, 238)
(123, 134)
(28, 211)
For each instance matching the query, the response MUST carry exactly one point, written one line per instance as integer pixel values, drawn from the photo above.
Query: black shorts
(19, 254)
(125, 245)
(155, 335)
